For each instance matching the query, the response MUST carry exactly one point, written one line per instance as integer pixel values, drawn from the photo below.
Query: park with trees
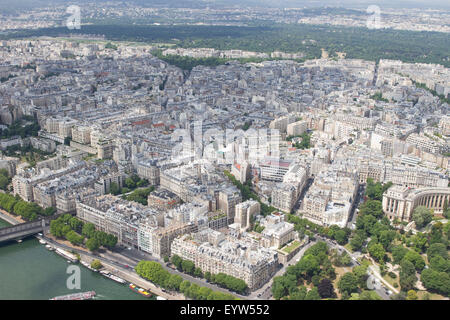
(419, 255)
(306, 227)
(320, 274)
(5, 179)
(131, 183)
(81, 234)
(140, 195)
(314, 270)
(356, 42)
(305, 142)
(26, 127)
(413, 256)
(154, 272)
(29, 211)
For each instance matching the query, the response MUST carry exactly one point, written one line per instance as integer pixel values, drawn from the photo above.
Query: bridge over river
(23, 230)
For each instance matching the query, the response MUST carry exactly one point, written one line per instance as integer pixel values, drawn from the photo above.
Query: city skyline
(199, 154)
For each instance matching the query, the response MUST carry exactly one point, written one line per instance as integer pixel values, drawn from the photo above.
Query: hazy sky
(349, 3)
(438, 4)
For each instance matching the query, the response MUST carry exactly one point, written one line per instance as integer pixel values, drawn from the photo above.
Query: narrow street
(297, 205)
(353, 214)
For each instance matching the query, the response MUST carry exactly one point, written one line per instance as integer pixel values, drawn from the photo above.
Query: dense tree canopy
(230, 282)
(436, 281)
(415, 258)
(308, 265)
(96, 264)
(314, 267)
(29, 211)
(75, 231)
(140, 195)
(22, 129)
(357, 241)
(365, 295)
(408, 277)
(437, 249)
(326, 289)
(348, 283)
(155, 273)
(5, 179)
(188, 266)
(398, 252)
(357, 42)
(375, 191)
(422, 216)
(92, 244)
(377, 251)
(74, 238)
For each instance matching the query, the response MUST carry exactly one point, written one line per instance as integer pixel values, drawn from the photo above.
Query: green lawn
(291, 247)
(391, 280)
(433, 296)
(348, 247)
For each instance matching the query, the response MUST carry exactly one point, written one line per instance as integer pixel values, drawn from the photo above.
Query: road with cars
(354, 211)
(298, 204)
(135, 256)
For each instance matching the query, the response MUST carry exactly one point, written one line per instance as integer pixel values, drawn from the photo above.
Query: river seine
(29, 271)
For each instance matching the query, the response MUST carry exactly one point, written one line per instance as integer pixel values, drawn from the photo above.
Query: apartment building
(402, 175)
(277, 232)
(105, 149)
(23, 184)
(424, 143)
(158, 241)
(227, 200)
(211, 252)
(245, 211)
(284, 196)
(274, 169)
(115, 216)
(241, 171)
(81, 134)
(162, 199)
(315, 204)
(297, 128)
(103, 185)
(147, 169)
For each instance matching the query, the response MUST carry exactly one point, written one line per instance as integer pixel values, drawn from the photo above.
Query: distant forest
(356, 42)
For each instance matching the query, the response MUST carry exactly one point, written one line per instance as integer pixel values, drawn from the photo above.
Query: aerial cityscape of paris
(235, 150)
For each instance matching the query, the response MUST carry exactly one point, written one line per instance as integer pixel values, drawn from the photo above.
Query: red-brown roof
(139, 123)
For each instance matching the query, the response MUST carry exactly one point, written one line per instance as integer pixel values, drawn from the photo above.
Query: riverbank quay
(8, 217)
(115, 268)
(109, 262)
